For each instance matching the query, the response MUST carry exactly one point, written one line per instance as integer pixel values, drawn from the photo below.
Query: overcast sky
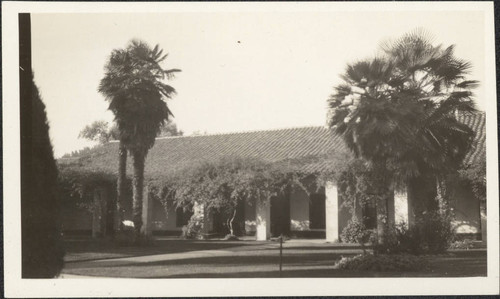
(240, 71)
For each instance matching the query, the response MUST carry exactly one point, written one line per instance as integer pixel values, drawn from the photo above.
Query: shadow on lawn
(261, 264)
(319, 247)
(79, 250)
(323, 259)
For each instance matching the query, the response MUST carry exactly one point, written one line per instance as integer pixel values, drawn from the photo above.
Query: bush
(125, 236)
(230, 237)
(193, 229)
(462, 244)
(431, 234)
(355, 232)
(381, 262)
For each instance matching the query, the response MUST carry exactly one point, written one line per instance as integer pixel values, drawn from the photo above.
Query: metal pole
(281, 252)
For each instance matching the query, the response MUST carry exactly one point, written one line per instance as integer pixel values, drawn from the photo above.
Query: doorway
(280, 215)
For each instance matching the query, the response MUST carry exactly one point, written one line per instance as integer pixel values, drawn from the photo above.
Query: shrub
(381, 262)
(355, 232)
(462, 244)
(193, 229)
(230, 237)
(431, 234)
(124, 237)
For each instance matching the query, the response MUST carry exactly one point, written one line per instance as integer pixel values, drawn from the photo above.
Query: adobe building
(319, 214)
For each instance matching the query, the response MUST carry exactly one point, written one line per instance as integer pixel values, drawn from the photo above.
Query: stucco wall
(163, 221)
(345, 214)
(466, 209)
(75, 219)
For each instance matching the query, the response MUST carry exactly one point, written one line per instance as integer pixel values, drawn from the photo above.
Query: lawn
(173, 258)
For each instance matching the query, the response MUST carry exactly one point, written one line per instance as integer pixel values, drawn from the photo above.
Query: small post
(281, 252)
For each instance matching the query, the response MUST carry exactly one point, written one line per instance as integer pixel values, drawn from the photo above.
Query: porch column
(98, 214)
(391, 211)
(207, 223)
(263, 219)
(331, 212)
(401, 207)
(105, 217)
(482, 209)
(147, 212)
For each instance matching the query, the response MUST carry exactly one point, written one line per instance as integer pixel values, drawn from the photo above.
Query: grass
(173, 258)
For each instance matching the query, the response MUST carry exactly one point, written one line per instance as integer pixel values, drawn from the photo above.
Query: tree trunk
(382, 187)
(231, 223)
(138, 187)
(422, 193)
(382, 226)
(121, 184)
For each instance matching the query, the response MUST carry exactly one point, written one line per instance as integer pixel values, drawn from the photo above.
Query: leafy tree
(397, 112)
(133, 85)
(170, 129)
(100, 131)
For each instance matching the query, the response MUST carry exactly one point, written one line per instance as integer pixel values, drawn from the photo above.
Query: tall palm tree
(434, 77)
(397, 112)
(133, 84)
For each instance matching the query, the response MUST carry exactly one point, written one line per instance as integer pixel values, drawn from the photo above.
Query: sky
(241, 71)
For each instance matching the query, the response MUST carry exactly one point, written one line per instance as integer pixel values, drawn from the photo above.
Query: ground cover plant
(382, 262)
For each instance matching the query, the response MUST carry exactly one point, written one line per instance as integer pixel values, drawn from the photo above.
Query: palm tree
(133, 84)
(438, 81)
(397, 112)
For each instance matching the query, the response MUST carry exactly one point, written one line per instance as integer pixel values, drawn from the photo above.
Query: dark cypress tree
(42, 250)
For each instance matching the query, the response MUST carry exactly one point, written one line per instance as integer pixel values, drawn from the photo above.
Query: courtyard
(174, 258)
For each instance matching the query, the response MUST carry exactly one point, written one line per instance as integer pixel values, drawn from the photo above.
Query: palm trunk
(382, 187)
(138, 188)
(120, 188)
(381, 218)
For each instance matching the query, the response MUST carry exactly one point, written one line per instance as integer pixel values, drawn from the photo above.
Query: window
(317, 211)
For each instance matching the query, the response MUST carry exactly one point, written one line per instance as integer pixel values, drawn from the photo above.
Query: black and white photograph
(249, 149)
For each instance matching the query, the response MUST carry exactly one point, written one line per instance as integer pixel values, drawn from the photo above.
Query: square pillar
(207, 223)
(401, 208)
(331, 212)
(391, 210)
(263, 219)
(482, 209)
(147, 213)
(97, 214)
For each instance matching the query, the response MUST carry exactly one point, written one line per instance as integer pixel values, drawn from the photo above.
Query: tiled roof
(477, 122)
(171, 153)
